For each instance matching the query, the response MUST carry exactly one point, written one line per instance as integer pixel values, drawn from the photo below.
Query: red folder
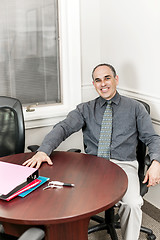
(27, 187)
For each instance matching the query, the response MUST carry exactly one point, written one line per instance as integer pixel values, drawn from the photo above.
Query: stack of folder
(17, 179)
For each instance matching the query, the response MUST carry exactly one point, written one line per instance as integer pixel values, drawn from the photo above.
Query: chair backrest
(12, 130)
(141, 153)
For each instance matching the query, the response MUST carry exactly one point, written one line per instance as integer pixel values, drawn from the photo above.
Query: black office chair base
(149, 232)
(112, 223)
(103, 226)
(105, 223)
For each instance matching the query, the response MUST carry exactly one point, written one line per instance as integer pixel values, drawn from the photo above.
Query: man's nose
(103, 82)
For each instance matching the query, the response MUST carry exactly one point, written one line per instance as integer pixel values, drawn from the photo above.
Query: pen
(61, 184)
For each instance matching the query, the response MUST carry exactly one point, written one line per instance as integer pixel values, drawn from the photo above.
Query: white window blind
(29, 59)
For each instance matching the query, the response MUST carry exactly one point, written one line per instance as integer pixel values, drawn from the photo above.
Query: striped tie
(105, 134)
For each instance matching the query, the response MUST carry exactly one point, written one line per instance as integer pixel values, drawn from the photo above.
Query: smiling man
(105, 81)
(130, 121)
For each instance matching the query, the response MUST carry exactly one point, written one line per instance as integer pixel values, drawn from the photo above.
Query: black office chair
(12, 141)
(33, 233)
(12, 131)
(111, 220)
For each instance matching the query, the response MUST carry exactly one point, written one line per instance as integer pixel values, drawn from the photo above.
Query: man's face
(104, 82)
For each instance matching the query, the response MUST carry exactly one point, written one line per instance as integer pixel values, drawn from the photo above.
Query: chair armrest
(147, 161)
(74, 150)
(143, 186)
(33, 148)
(32, 234)
(1, 228)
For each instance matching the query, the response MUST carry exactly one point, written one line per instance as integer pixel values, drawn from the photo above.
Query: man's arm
(153, 174)
(152, 140)
(73, 123)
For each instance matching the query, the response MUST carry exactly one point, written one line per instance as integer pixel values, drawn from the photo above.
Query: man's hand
(153, 174)
(37, 159)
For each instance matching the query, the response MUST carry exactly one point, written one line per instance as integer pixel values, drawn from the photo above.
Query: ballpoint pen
(58, 184)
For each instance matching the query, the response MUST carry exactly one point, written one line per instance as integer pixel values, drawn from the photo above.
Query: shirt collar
(115, 99)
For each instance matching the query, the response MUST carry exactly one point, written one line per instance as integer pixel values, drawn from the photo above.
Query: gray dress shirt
(130, 121)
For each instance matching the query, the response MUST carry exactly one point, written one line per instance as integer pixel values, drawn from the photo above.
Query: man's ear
(117, 79)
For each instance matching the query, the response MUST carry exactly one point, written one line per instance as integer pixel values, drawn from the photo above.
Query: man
(129, 121)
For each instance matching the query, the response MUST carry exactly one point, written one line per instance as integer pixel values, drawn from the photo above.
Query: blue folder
(43, 180)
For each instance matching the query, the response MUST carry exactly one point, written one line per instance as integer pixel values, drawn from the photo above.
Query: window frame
(70, 68)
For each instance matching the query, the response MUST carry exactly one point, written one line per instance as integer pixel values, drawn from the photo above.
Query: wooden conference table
(64, 213)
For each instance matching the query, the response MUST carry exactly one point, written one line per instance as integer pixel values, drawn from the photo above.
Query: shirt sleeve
(147, 133)
(73, 123)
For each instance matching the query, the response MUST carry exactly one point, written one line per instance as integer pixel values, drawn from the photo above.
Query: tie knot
(109, 102)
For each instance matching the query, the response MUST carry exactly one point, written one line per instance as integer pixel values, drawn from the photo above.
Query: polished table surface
(65, 213)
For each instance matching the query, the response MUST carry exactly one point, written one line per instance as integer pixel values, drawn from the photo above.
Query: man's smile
(105, 89)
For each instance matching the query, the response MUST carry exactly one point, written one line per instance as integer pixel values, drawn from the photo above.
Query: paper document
(13, 175)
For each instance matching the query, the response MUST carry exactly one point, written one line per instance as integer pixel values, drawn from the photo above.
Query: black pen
(58, 183)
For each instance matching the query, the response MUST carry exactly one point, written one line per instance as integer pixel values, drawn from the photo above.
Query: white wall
(132, 29)
(127, 35)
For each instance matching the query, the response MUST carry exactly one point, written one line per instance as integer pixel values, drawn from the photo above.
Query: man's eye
(97, 80)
